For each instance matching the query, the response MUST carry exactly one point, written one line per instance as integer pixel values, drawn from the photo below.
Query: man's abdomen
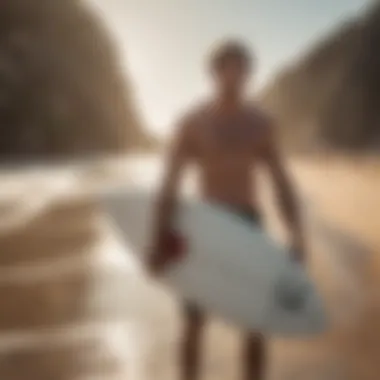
(233, 190)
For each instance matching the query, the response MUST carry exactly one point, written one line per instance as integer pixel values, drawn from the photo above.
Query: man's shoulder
(190, 120)
(195, 113)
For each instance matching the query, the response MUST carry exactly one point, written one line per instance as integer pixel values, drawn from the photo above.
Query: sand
(75, 307)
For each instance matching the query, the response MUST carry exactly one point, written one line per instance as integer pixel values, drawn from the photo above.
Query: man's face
(232, 77)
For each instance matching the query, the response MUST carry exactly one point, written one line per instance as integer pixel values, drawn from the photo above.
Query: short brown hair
(231, 50)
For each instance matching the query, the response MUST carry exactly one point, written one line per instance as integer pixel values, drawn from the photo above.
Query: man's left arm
(285, 192)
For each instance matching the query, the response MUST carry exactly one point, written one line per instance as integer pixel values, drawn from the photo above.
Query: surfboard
(230, 268)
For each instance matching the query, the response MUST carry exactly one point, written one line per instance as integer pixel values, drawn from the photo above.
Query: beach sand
(75, 307)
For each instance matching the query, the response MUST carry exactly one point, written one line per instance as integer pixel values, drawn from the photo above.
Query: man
(227, 138)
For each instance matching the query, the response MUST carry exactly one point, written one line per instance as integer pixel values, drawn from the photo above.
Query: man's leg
(254, 357)
(191, 344)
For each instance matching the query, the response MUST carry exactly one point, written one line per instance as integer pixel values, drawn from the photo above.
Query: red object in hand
(173, 246)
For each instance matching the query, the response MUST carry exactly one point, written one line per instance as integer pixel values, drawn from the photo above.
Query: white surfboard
(231, 268)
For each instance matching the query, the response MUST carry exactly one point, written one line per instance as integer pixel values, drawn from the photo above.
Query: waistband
(247, 213)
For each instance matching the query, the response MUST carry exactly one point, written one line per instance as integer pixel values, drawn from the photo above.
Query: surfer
(227, 138)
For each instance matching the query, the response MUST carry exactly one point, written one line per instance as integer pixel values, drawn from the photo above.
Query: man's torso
(227, 147)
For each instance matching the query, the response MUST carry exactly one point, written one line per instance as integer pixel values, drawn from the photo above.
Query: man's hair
(231, 50)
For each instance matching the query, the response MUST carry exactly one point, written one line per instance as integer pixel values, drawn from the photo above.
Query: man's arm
(285, 193)
(180, 151)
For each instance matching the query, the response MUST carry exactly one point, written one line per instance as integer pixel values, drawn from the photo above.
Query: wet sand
(75, 307)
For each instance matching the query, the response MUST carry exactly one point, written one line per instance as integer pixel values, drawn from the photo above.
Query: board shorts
(248, 214)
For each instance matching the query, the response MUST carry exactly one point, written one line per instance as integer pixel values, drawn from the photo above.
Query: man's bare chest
(228, 136)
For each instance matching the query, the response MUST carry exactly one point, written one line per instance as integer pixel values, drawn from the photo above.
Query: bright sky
(164, 42)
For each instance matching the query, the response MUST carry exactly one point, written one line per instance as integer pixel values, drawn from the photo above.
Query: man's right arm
(180, 151)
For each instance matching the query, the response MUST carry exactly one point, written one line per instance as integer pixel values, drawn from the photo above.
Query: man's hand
(167, 249)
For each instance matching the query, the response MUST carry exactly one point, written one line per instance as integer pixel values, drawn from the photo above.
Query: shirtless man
(227, 139)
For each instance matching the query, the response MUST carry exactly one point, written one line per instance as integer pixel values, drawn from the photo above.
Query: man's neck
(228, 103)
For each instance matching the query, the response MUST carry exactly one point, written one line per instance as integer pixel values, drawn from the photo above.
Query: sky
(164, 43)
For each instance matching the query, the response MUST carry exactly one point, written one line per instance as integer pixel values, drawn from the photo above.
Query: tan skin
(227, 141)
